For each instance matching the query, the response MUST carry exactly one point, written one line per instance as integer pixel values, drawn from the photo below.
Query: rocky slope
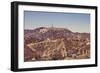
(55, 44)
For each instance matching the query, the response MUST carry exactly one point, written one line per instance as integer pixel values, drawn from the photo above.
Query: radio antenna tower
(52, 25)
(52, 30)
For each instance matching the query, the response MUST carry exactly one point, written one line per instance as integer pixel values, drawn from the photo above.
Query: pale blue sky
(76, 22)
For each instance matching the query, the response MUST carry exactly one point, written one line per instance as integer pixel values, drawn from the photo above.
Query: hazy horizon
(76, 22)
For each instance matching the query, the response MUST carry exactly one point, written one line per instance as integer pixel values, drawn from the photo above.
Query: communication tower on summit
(52, 25)
(52, 31)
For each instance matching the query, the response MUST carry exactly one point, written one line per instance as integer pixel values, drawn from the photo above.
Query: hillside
(55, 44)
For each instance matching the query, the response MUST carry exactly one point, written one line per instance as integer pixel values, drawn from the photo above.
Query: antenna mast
(52, 25)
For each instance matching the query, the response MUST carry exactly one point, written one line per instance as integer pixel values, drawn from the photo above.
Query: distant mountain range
(42, 33)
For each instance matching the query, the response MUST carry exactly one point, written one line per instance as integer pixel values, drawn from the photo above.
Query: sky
(76, 22)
